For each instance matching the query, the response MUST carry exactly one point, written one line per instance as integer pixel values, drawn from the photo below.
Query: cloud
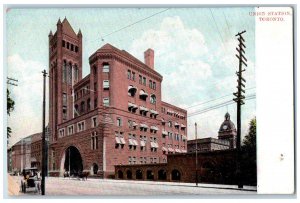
(195, 70)
(26, 118)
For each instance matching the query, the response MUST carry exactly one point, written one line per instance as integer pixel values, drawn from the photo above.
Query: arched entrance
(120, 174)
(129, 174)
(162, 174)
(176, 175)
(73, 161)
(150, 175)
(139, 174)
(95, 169)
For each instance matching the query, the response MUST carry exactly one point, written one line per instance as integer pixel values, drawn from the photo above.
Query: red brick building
(112, 116)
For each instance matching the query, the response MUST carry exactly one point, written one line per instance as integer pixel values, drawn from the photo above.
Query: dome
(227, 124)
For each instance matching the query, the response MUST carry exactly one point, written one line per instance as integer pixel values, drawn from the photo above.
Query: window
(119, 122)
(154, 86)
(70, 74)
(72, 47)
(105, 84)
(64, 99)
(76, 110)
(70, 130)
(152, 99)
(76, 49)
(80, 126)
(63, 43)
(170, 123)
(94, 141)
(68, 45)
(133, 76)
(82, 107)
(144, 81)
(140, 79)
(150, 84)
(129, 74)
(61, 132)
(65, 71)
(88, 104)
(105, 101)
(94, 121)
(76, 72)
(105, 68)
(95, 103)
(64, 112)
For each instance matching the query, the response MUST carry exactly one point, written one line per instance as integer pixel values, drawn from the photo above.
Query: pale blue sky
(194, 51)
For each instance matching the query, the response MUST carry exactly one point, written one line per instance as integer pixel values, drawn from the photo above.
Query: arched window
(129, 174)
(70, 73)
(176, 175)
(82, 107)
(76, 110)
(120, 174)
(76, 73)
(95, 168)
(64, 73)
(152, 99)
(162, 174)
(139, 174)
(150, 175)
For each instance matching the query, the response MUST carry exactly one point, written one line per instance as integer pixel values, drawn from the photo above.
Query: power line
(102, 38)
(214, 99)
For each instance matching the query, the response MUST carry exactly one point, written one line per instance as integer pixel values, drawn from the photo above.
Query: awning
(184, 137)
(152, 145)
(177, 150)
(153, 112)
(131, 105)
(156, 144)
(143, 144)
(143, 125)
(154, 128)
(183, 126)
(122, 140)
(164, 149)
(118, 141)
(130, 142)
(164, 132)
(176, 124)
(143, 93)
(183, 151)
(143, 108)
(170, 149)
(134, 124)
(163, 120)
(132, 88)
(135, 143)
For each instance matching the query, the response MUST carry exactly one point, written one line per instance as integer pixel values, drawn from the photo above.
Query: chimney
(149, 58)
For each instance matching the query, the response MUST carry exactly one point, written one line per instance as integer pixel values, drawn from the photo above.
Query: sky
(194, 52)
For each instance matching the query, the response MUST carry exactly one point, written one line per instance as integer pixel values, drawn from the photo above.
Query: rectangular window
(150, 84)
(72, 47)
(144, 81)
(64, 99)
(70, 130)
(119, 122)
(80, 126)
(95, 103)
(154, 85)
(62, 132)
(140, 79)
(133, 76)
(63, 43)
(64, 112)
(105, 68)
(105, 101)
(76, 49)
(129, 74)
(94, 121)
(68, 45)
(105, 84)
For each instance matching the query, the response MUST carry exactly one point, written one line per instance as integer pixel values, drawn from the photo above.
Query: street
(109, 187)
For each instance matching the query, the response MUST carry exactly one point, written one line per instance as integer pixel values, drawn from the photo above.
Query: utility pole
(10, 81)
(44, 159)
(196, 154)
(239, 99)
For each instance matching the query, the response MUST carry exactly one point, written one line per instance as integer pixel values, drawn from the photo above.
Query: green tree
(10, 108)
(249, 168)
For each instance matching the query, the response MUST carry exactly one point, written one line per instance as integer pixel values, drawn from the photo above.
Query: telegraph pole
(239, 99)
(196, 154)
(44, 159)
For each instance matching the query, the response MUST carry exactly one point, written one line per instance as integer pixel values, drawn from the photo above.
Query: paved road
(107, 187)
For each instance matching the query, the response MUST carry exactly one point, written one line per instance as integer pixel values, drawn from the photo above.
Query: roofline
(175, 107)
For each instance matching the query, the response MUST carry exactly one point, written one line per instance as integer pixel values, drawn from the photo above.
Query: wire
(133, 23)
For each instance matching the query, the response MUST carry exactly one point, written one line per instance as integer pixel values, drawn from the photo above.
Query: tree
(10, 108)
(249, 168)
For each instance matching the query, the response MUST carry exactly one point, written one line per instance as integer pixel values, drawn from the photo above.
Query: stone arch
(149, 174)
(120, 174)
(139, 174)
(208, 171)
(128, 174)
(176, 175)
(162, 174)
(63, 157)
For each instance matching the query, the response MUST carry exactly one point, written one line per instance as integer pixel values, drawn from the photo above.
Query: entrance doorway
(73, 161)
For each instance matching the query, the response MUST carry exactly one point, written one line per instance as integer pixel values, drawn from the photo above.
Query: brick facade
(112, 116)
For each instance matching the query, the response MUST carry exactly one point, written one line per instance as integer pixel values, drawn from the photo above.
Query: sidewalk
(13, 185)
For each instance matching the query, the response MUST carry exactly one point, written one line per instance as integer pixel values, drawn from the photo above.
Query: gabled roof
(67, 28)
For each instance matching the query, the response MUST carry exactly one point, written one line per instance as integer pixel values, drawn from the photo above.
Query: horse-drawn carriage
(30, 179)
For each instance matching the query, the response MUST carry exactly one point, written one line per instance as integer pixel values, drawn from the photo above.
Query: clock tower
(227, 131)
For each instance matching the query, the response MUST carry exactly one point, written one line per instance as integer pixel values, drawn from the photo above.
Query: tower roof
(67, 28)
(227, 124)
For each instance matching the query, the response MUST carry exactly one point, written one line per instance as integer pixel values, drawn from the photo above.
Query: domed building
(227, 131)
